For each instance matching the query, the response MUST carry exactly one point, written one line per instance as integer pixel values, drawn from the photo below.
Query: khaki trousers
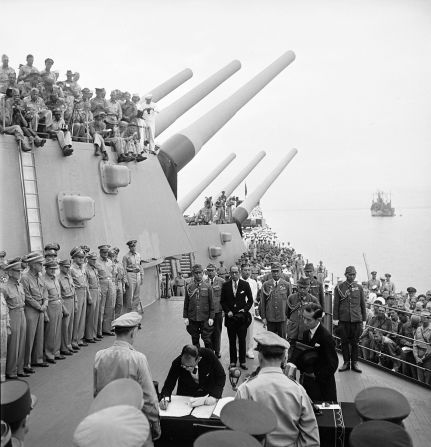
(79, 321)
(67, 324)
(34, 336)
(92, 314)
(16, 342)
(53, 329)
(107, 303)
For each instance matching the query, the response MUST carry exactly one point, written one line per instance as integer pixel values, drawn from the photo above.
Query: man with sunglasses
(198, 373)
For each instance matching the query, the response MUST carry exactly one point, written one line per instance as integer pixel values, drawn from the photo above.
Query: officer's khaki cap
(267, 339)
(130, 319)
(13, 264)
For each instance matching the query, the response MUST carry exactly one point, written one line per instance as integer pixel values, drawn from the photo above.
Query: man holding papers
(199, 374)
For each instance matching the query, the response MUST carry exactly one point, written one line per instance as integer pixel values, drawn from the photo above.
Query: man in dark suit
(198, 373)
(320, 384)
(236, 301)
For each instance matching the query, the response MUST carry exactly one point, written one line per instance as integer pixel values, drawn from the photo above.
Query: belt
(105, 279)
(68, 297)
(134, 270)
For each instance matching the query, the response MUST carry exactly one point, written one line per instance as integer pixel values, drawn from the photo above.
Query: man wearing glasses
(198, 373)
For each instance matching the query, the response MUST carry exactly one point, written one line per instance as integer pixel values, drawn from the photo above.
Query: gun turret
(197, 190)
(178, 150)
(232, 185)
(241, 213)
(171, 113)
(170, 85)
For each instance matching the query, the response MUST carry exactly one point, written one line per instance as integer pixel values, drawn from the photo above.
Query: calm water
(400, 245)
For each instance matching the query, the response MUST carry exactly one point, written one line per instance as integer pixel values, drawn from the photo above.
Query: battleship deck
(64, 391)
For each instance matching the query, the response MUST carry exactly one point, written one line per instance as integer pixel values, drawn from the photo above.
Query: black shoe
(355, 367)
(66, 352)
(109, 333)
(11, 376)
(60, 357)
(88, 340)
(97, 338)
(140, 157)
(50, 361)
(23, 375)
(41, 365)
(345, 367)
(29, 370)
(243, 366)
(83, 343)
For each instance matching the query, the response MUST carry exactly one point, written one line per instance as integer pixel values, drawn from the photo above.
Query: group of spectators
(37, 104)
(397, 334)
(219, 212)
(52, 307)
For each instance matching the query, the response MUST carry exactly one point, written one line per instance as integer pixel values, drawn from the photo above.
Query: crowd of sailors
(218, 212)
(40, 104)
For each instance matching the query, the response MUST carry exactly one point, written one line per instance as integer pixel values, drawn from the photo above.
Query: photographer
(60, 130)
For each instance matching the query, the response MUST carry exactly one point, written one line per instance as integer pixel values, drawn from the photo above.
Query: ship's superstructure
(382, 205)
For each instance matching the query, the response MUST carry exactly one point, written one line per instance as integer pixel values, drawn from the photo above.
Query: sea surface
(399, 245)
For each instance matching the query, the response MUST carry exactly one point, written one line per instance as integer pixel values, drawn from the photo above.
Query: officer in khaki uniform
(68, 297)
(134, 278)
(105, 269)
(316, 287)
(119, 281)
(274, 308)
(93, 309)
(54, 313)
(198, 311)
(215, 282)
(350, 314)
(13, 293)
(77, 272)
(36, 303)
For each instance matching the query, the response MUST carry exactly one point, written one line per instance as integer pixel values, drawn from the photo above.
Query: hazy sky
(355, 103)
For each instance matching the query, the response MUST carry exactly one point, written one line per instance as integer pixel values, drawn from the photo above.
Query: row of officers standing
(55, 307)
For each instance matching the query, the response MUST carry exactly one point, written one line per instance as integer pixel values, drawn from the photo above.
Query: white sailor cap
(114, 426)
(130, 319)
(149, 96)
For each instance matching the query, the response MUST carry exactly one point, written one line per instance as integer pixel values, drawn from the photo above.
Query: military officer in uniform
(215, 282)
(68, 297)
(105, 269)
(134, 278)
(13, 293)
(316, 287)
(36, 303)
(16, 405)
(296, 303)
(119, 281)
(222, 271)
(350, 314)
(122, 361)
(93, 309)
(199, 310)
(287, 399)
(54, 313)
(274, 308)
(77, 272)
(373, 281)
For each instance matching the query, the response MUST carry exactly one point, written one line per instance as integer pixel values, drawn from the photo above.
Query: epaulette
(293, 380)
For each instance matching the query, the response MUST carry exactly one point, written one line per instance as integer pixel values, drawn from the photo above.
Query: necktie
(212, 281)
(234, 287)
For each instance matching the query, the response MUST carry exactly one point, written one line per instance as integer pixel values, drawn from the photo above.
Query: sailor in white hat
(149, 111)
(121, 360)
(115, 418)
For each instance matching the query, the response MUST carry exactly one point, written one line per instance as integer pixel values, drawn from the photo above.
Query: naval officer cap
(77, 252)
(226, 438)
(130, 320)
(379, 433)
(374, 272)
(16, 400)
(34, 256)
(13, 264)
(64, 263)
(249, 417)
(388, 275)
(309, 268)
(118, 392)
(275, 266)
(411, 290)
(267, 340)
(303, 282)
(211, 267)
(119, 425)
(50, 253)
(85, 248)
(149, 96)
(92, 255)
(350, 270)
(104, 247)
(380, 403)
(132, 243)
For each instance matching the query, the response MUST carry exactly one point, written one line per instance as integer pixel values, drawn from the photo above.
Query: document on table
(328, 407)
(179, 406)
(220, 404)
(204, 411)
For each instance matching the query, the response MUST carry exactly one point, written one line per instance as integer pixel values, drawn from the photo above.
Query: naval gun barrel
(178, 150)
(170, 114)
(197, 190)
(241, 213)
(232, 185)
(170, 85)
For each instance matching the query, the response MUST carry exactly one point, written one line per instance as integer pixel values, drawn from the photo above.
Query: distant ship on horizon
(382, 205)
